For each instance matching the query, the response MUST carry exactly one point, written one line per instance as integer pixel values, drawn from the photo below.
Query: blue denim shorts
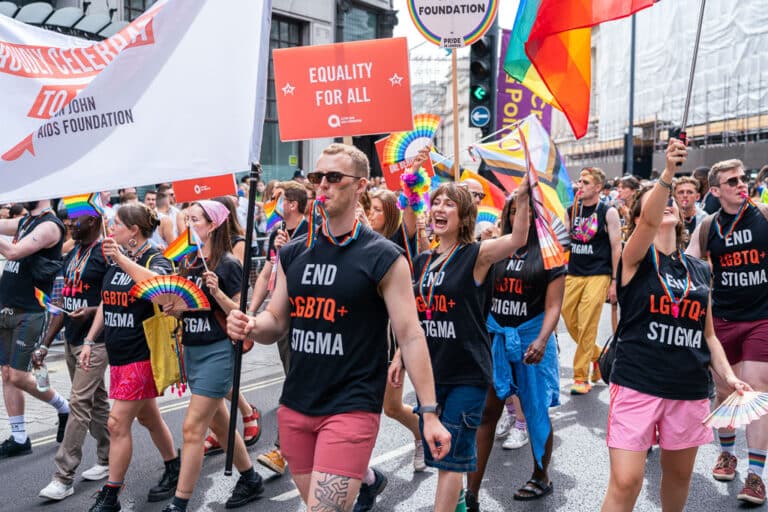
(461, 409)
(209, 368)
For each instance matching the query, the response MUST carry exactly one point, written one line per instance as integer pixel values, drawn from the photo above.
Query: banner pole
(683, 134)
(455, 79)
(253, 178)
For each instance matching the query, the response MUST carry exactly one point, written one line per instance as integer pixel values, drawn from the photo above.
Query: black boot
(166, 488)
(106, 500)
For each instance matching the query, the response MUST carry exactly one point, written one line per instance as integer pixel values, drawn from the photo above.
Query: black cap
(298, 173)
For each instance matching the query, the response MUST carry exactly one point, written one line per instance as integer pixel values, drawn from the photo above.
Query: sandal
(252, 427)
(211, 446)
(533, 489)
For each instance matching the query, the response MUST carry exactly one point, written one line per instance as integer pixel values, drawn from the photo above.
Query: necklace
(665, 285)
(446, 258)
(138, 253)
(736, 219)
(76, 269)
(585, 229)
(317, 207)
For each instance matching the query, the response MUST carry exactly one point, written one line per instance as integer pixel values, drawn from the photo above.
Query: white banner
(178, 94)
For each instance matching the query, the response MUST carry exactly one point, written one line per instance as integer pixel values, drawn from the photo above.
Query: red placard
(343, 89)
(393, 171)
(204, 188)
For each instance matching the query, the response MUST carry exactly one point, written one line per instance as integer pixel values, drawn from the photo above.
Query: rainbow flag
(274, 212)
(45, 302)
(184, 244)
(549, 50)
(82, 204)
(507, 160)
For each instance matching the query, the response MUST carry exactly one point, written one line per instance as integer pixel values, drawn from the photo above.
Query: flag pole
(455, 80)
(683, 135)
(253, 178)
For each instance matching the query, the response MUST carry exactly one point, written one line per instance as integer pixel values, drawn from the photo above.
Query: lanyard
(736, 219)
(26, 221)
(431, 292)
(665, 285)
(317, 207)
(76, 269)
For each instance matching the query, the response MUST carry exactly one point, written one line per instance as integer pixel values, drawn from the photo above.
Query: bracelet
(43, 347)
(88, 343)
(665, 184)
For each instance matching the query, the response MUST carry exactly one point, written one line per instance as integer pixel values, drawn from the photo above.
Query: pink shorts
(743, 341)
(338, 444)
(132, 381)
(634, 419)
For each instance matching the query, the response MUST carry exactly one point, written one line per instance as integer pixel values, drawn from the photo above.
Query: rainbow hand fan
(175, 291)
(488, 214)
(404, 145)
(738, 410)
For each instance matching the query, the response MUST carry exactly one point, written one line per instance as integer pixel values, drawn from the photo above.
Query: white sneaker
(419, 464)
(506, 422)
(57, 491)
(515, 439)
(97, 472)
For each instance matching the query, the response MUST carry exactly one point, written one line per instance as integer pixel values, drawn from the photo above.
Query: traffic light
(482, 65)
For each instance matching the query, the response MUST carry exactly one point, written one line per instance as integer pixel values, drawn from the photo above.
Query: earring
(132, 243)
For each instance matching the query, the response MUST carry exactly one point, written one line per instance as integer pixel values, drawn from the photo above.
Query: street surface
(579, 464)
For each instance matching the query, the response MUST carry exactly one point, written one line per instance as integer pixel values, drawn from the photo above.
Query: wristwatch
(88, 342)
(424, 409)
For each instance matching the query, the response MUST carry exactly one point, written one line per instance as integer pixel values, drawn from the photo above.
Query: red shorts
(133, 381)
(743, 341)
(338, 444)
(634, 419)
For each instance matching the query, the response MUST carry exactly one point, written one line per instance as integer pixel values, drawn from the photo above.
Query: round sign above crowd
(452, 23)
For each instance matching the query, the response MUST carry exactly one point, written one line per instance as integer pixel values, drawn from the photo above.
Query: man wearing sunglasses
(335, 291)
(736, 240)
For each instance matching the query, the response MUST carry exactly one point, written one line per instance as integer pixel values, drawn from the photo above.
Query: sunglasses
(734, 182)
(316, 177)
(478, 195)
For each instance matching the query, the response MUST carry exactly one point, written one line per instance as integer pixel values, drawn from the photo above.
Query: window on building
(358, 23)
(135, 8)
(279, 159)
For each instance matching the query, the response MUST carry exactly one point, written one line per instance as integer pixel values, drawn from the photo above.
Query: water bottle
(41, 377)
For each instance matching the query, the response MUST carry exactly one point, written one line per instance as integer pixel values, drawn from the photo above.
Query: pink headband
(216, 211)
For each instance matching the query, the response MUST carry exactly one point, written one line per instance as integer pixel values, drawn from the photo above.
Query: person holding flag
(357, 281)
(34, 259)
(209, 355)
(84, 270)
(659, 385)
(131, 383)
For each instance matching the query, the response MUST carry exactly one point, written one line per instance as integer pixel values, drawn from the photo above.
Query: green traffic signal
(479, 93)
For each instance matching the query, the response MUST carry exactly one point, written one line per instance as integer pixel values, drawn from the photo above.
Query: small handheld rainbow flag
(45, 302)
(183, 245)
(82, 204)
(274, 212)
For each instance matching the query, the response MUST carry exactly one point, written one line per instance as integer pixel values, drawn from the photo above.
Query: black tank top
(739, 265)
(590, 256)
(657, 353)
(458, 341)
(520, 288)
(17, 288)
(338, 328)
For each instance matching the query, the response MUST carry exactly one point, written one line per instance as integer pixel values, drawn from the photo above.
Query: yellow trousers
(582, 305)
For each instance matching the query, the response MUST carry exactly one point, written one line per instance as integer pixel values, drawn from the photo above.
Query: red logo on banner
(334, 90)
(204, 188)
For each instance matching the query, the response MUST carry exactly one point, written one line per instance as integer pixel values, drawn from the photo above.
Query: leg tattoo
(331, 493)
